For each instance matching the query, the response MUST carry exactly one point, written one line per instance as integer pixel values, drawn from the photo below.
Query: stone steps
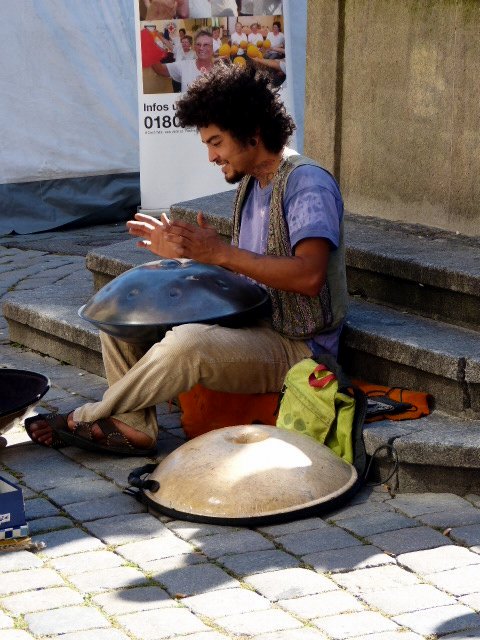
(410, 267)
(402, 278)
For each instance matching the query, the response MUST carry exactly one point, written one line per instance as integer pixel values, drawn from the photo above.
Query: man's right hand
(154, 233)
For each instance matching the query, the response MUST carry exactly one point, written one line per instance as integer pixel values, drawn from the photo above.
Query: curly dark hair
(238, 100)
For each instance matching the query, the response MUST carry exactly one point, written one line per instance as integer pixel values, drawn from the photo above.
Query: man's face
(186, 45)
(238, 28)
(235, 159)
(216, 34)
(204, 48)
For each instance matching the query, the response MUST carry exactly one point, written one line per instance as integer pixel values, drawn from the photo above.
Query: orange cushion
(204, 410)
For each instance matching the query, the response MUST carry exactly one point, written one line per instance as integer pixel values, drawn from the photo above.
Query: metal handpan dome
(247, 475)
(142, 303)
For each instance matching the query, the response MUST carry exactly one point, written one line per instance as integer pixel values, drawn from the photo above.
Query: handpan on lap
(141, 304)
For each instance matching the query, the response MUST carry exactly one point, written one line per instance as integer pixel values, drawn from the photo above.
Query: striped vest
(295, 315)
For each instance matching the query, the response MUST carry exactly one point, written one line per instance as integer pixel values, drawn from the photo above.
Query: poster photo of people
(183, 39)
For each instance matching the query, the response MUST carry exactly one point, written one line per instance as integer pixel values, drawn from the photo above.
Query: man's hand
(154, 233)
(199, 242)
(160, 9)
(178, 239)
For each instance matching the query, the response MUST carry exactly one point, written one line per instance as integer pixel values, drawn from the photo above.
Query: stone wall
(392, 107)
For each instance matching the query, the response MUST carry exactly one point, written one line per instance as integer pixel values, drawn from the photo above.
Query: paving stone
(439, 559)
(367, 495)
(440, 620)
(222, 544)
(84, 562)
(196, 579)
(305, 633)
(359, 510)
(306, 542)
(289, 583)
(417, 504)
(208, 635)
(348, 625)
(401, 634)
(28, 580)
(406, 540)
(322, 604)
(39, 508)
(407, 599)
(108, 579)
(97, 508)
(165, 565)
(121, 602)
(191, 530)
(69, 541)
(164, 623)
(258, 622)
(41, 600)
(16, 634)
(5, 621)
(468, 535)
(65, 620)
(471, 600)
(60, 472)
(258, 561)
(359, 557)
(235, 601)
(307, 524)
(100, 634)
(19, 560)
(451, 518)
(53, 523)
(383, 578)
(164, 546)
(459, 582)
(465, 635)
(121, 530)
(373, 523)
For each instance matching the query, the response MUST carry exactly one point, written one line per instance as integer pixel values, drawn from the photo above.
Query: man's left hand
(199, 242)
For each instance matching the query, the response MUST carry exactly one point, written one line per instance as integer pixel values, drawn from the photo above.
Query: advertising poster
(177, 41)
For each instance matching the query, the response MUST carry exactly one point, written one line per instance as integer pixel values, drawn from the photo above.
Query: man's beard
(236, 177)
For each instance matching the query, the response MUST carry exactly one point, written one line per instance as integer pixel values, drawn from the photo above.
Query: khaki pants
(248, 360)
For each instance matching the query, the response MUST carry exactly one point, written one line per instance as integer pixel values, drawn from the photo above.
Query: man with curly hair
(287, 236)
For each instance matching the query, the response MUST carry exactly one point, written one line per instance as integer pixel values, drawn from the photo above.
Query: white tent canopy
(68, 111)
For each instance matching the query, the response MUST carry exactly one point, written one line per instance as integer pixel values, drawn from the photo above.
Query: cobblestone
(43, 599)
(289, 583)
(258, 621)
(83, 562)
(258, 561)
(405, 540)
(322, 604)
(440, 620)
(64, 620)
(348, 625)
(116, 575)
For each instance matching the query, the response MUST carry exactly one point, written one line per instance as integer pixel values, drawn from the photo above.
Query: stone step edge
(451, 378)
(370, 328)
(420, 255)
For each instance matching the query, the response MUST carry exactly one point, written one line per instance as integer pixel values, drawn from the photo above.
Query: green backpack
(318, 400)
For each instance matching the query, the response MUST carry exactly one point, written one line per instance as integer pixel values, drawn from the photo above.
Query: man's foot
(106, 434)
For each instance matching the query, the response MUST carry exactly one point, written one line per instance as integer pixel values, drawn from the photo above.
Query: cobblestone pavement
(381, 568)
